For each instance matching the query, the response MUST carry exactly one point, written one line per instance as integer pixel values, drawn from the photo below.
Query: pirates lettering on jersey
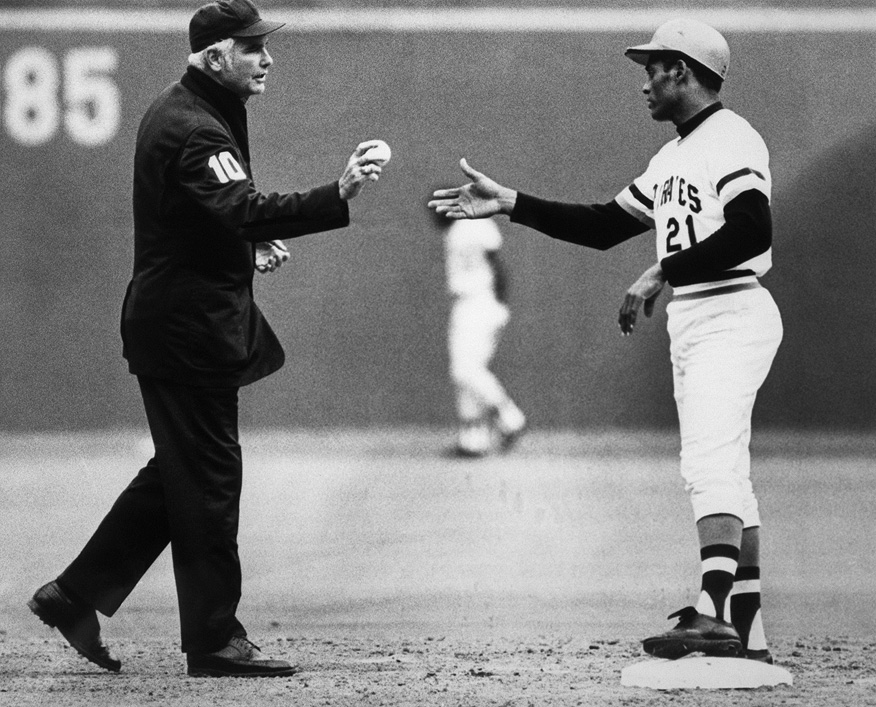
(685, 194)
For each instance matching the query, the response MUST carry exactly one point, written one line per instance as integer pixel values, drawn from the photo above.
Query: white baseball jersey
(688, 183)
(468, 271)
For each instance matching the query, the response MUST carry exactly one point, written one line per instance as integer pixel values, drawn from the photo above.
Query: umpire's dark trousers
(188, 495)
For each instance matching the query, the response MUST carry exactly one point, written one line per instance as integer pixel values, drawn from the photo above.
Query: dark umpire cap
(222, 19)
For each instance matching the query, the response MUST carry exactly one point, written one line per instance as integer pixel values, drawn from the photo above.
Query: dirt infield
(429, 670)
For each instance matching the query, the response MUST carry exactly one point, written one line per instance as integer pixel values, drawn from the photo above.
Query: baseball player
(477, 283)
(706, 194)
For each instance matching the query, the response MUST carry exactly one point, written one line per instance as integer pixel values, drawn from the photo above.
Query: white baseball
(379, 154)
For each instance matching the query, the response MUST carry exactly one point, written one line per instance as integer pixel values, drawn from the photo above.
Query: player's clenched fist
(365, 165)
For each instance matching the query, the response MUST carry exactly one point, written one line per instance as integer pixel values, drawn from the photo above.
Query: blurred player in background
(477, 283)
(707, 195)
(193, 336)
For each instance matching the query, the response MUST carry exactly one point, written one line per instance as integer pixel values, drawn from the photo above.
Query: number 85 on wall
(41, 93)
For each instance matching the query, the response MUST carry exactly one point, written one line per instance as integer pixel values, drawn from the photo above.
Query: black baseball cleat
(695, 632)
(241, 658)
(76, 621)
(761, 656)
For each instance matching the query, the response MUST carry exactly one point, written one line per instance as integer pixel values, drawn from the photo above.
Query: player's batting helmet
(696, 40)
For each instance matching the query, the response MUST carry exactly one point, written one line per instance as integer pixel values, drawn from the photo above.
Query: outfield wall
(546, 105)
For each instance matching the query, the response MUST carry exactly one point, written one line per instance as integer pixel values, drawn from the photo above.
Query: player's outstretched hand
(643, 291)
(359, 170)
(270, 256)
(480, 198)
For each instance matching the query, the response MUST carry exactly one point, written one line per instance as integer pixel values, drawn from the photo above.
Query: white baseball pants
(474, 330)
(722, 347)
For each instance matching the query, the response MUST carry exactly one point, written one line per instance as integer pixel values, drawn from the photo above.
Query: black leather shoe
(695, 632)
(241, 658)
(76, 622)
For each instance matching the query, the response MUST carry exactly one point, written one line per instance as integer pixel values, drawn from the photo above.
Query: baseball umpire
(707, 196)
(193, 335)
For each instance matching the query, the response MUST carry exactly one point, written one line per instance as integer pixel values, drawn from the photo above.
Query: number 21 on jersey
(673, 244)
(226, 167)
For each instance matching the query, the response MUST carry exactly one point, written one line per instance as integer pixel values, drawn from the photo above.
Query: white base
(705, 673)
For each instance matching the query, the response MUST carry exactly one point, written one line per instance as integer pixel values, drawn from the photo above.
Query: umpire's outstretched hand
(645, 291)
(480, 198)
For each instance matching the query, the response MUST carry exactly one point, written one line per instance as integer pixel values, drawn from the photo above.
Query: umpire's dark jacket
(189, 315)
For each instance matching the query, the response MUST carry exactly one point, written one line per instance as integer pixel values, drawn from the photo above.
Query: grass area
(363, 527)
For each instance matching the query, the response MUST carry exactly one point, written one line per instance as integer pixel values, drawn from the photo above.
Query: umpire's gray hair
(199, 59)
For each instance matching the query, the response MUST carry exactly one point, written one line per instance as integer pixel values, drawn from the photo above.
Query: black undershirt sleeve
(746, 233)
(600, 226)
